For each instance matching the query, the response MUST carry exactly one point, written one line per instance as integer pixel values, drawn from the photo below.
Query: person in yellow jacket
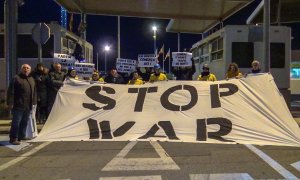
(233, 71)
(96, 77)
(72, 73)
(136, 79)
(206, 75)
(157, 75)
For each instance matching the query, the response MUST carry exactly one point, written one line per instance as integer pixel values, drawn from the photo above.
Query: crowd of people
(40, 87)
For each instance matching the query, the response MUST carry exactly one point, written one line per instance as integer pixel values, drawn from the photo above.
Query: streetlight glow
(106, 48)
(154, 28)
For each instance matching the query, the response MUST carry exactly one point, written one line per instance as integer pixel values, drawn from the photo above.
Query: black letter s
(94, 93)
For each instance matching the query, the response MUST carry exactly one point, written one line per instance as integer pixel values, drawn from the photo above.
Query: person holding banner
(56, 79)
(136, 79)
(206, 75)
(145, 75)
(21, 96)
(114, 77)
(233, 71)
(72, 73)
(96, 77)
(40, 76)
(184, 73)
(255, 67)
(157, 75)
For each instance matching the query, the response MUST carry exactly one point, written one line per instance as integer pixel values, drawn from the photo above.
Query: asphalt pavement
(145, 160)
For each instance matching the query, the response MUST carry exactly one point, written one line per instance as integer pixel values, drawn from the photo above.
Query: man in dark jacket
(185, 73)
(40, 75)
(56, 80)
(21, 96)
(114, 77)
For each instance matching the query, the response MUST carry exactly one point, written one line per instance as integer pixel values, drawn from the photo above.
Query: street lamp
(106, 49)
(154, 28)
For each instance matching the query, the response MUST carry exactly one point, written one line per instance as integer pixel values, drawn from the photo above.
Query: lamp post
(154, 28)
(106, 49)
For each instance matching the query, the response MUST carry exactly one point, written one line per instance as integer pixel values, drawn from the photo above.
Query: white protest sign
(181, 59)
(84, 69)
(125, 65)
(64, 59)
(146, 60)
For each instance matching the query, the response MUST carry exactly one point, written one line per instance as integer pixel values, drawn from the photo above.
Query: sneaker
(14, 142)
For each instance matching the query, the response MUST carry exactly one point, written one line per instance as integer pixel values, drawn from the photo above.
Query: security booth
(242, 44)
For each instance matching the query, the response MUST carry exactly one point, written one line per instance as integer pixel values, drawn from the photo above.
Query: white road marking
(4, 141)
(24, 156)
(156, 177)
(296, 165)
(275, 165)
(119, 163)
(229, 176)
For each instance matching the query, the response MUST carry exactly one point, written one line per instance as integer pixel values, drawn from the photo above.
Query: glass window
(243, 53)
(26, 47)
(65, 42)
(220, 43)
(277, 55)
(214, 46)
(48, 48)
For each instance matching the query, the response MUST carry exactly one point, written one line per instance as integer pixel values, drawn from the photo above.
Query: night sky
(136, 33)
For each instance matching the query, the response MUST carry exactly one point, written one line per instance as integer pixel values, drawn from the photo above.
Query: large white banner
(181, 59)
(147, 60)
(248, 111)
(126, 65)
(64, 59)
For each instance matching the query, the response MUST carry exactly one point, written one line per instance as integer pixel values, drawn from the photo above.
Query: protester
(136, 79)
(96, 77)
(184, 73)
(56, 79)
(72, 73)
(157, 75)
(145, 75)
(40, 76)
(21, 96)
(233, 71)
(114, 77)
(255, 67)
(206, 75)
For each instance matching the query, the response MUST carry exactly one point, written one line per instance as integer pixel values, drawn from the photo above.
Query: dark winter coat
(116, 80)
(41, 81)
(56, 80)
(21, 92)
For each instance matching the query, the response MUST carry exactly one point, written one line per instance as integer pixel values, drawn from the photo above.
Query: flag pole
(163, 61)
(169, 64)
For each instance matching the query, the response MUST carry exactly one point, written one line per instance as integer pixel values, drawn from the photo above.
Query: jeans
(19, 123)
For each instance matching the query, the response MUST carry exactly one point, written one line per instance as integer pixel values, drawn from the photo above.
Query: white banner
(181, 59)
(247, 111)
(84, 69)
(64, 59)
(126, 65)
(146, 60)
